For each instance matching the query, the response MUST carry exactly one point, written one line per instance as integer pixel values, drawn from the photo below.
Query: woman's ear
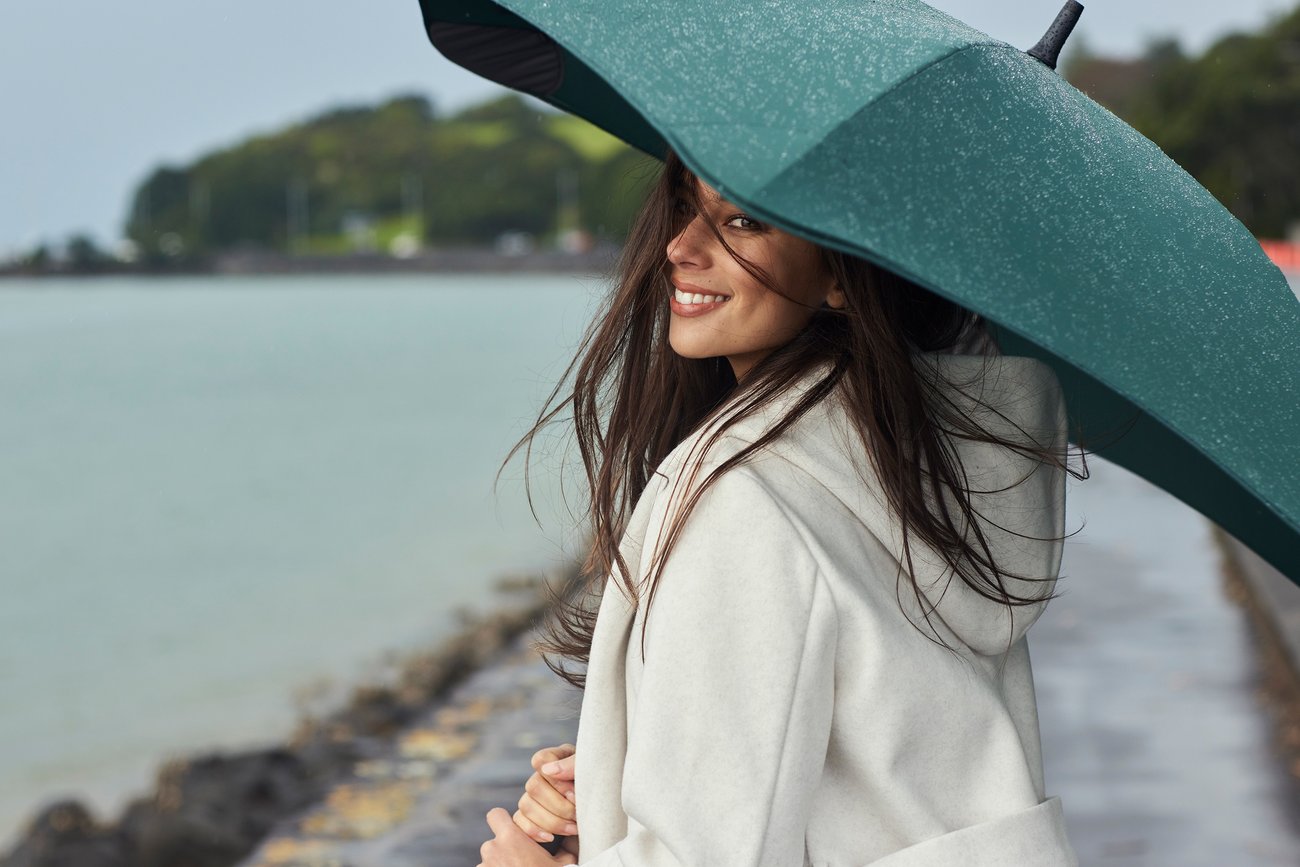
(835, 297)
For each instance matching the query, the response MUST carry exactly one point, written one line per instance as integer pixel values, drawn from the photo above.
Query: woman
(848, 511)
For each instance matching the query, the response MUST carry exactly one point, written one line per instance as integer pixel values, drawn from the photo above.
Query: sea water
(219, 494)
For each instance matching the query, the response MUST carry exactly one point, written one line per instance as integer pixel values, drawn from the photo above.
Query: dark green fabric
(895, 132)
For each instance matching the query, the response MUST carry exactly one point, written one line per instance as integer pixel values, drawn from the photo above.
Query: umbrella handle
(1049, 47)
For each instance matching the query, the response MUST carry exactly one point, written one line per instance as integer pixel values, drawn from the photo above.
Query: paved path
(1153, 733)
(423, 804)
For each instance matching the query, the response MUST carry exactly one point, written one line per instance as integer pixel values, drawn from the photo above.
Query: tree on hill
(84, 255)
(1230, 117)
(1114, 82)
(500, 166)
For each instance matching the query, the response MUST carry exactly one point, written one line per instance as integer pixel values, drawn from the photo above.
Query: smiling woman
(741, 288)
(825, 511)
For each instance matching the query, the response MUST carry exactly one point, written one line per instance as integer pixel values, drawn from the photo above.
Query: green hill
(359, 177)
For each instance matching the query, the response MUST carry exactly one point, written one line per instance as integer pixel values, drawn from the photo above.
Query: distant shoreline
(461, 260)
(464, 260)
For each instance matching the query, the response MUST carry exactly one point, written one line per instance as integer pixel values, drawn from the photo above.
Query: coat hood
(1020, 502)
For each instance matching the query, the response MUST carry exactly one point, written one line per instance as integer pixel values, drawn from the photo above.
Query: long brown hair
(625, 373)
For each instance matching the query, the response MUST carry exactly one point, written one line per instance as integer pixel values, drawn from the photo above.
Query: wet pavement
(423, 804)
(1155, 732)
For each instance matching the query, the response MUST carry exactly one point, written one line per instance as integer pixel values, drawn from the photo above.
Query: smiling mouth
(691, 298)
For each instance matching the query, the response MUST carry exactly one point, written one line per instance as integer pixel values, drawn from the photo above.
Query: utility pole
(298, 228)
(566, 200)
(142, 212)
(413, 203)
(199, 207)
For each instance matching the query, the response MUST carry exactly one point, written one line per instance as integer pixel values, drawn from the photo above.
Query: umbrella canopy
(892, 131)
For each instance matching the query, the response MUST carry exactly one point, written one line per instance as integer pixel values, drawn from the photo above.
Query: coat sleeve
(730, 725)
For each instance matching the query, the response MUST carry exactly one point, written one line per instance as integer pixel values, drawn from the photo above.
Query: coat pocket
(1034, 836)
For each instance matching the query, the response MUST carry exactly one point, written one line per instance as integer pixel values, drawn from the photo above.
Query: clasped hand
(547, 810)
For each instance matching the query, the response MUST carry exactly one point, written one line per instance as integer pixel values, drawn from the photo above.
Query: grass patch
(590, 142)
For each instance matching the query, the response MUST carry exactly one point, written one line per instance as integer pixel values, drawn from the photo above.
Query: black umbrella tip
(1049, 47)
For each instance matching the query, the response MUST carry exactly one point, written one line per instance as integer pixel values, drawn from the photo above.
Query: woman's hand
(513, 848)
(548, 809)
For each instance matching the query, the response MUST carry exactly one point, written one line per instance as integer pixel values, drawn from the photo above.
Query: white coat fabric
(786, 713)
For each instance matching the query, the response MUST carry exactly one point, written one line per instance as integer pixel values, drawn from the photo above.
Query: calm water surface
(217, 493)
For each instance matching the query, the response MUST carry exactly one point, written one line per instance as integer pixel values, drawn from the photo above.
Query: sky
(97, 95)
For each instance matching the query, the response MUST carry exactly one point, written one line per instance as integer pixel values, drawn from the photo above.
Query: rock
(211, 811)
(65, 834)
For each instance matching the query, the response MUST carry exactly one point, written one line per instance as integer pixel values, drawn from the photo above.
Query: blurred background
(281, 287)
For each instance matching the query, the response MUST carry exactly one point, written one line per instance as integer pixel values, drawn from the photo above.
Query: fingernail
(570, 828)
(546, 835)
(571, 797)
(552, 768)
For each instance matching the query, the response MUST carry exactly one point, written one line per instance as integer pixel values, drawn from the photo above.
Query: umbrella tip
(1049, 47)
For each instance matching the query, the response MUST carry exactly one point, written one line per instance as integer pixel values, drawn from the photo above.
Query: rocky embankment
(404, 774)
(351, 776)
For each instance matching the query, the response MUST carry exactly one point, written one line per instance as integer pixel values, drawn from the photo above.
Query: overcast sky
(95, 95)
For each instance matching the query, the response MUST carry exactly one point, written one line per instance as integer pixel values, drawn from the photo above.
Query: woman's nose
(687, 248)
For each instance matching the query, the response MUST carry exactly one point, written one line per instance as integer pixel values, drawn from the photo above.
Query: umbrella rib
(995, 43)
(677, 145)
(750, 202)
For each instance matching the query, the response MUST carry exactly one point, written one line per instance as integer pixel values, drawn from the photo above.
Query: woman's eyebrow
(707, 197)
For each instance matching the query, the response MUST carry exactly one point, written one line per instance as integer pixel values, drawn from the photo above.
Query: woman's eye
(740, 221)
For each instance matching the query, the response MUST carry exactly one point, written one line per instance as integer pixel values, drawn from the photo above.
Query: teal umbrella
(890, 130)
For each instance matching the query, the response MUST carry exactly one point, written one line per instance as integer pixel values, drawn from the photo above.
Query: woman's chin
(697, 349)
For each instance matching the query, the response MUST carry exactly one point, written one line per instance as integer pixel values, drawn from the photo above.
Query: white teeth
(696, 298)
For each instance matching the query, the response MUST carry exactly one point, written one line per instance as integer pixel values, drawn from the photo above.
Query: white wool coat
(786, 711)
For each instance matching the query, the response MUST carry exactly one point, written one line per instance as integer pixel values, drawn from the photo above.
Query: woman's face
(718, 308)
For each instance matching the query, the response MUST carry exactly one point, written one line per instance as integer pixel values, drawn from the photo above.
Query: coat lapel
(603, 722)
